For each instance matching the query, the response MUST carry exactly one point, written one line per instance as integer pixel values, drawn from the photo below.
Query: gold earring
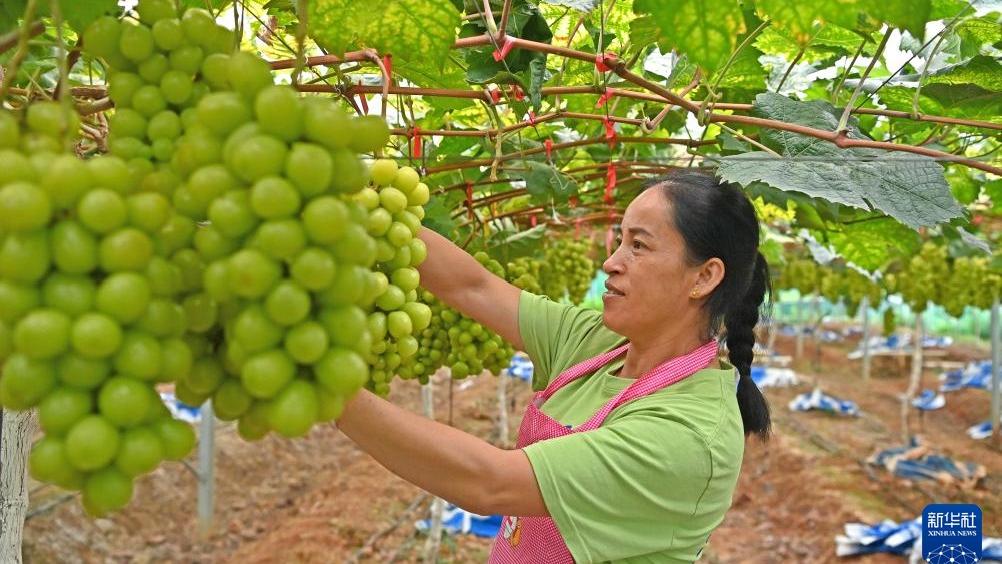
(694, 293)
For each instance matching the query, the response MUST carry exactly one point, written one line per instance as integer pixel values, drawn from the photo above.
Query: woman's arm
(440, 459)
(460, 281)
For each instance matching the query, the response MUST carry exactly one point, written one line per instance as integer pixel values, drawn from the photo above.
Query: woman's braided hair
(717, 220)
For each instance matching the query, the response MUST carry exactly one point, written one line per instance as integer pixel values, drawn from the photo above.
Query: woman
(628, 453)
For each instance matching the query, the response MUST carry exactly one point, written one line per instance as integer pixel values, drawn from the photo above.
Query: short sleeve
(552, 333)
(625, 488)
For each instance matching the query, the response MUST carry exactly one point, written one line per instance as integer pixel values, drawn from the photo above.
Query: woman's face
(650, 284)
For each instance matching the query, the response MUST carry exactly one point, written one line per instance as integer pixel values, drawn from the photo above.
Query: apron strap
(660, 377)
(578, 370)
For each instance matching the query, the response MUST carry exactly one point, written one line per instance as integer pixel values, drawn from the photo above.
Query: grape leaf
(909, 188)
(212, 5)
(78, 14)
(971, 240)
(745, 71)
(911, 15)
(546, 183)
(509, 245)
(984, 72)
(831, 40)
(798, 16)
(947, 8)
(994, 191)
(426, 73)
(962, 101)
(986, 29)
(643, 31)
(438, 213)
(538, 75)
(408, 29)
(871, 244)
(704, 30)
(816, 113)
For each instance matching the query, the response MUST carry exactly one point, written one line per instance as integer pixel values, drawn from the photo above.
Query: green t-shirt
(656, 478)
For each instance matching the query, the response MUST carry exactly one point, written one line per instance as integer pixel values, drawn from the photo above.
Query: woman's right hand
(456, 278)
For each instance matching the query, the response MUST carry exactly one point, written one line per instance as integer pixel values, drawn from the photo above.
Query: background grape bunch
(567, 269)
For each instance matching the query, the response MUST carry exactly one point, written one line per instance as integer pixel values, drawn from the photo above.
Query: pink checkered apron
(527, 540)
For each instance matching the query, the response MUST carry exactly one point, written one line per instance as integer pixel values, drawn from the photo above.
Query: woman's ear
(711, 274)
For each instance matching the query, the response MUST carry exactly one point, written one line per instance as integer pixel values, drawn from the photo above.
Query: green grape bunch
(457, 342)
(394, 201)
(971, 284)
(159, 67)
(433, 340)
(89, 313)
(800, 274)
(847, 286)
(283, 249)
(857, 287)
(925, 277)
(567, 270)
(524, 273)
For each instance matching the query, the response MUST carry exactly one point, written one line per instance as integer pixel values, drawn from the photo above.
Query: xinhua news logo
(951, 533)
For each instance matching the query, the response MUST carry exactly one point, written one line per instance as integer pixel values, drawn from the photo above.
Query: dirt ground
(320, 500)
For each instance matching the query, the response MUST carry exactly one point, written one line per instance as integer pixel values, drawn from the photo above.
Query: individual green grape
(24, 257)
(102, 36)
(249, 74)
(136, 42)
(186, 58)
(168, 34)
(279, 112)
(310, 167)
(368, 134)
(148, 100)
(24, 207)
(176, 87)
(215, 71)
(92, 443)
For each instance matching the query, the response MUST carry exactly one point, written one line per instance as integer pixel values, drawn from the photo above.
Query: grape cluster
(269, 177)
(88, 315)
(972, 283)
(524, 273)
(567, 269)
(800, 274)
(433, 340)
(456, 341)
(924, 278)
(848, 286)
(394, 203)
(159, 67)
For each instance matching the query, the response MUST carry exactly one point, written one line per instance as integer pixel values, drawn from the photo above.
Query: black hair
(716, 219)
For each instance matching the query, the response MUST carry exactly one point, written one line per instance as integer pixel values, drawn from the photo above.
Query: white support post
(864, 307)
(206, 469)
(915, 381)
(996, 367)
(16, 432)
(434, 539)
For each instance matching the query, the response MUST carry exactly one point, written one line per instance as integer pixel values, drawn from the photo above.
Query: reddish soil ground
(321, 500)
